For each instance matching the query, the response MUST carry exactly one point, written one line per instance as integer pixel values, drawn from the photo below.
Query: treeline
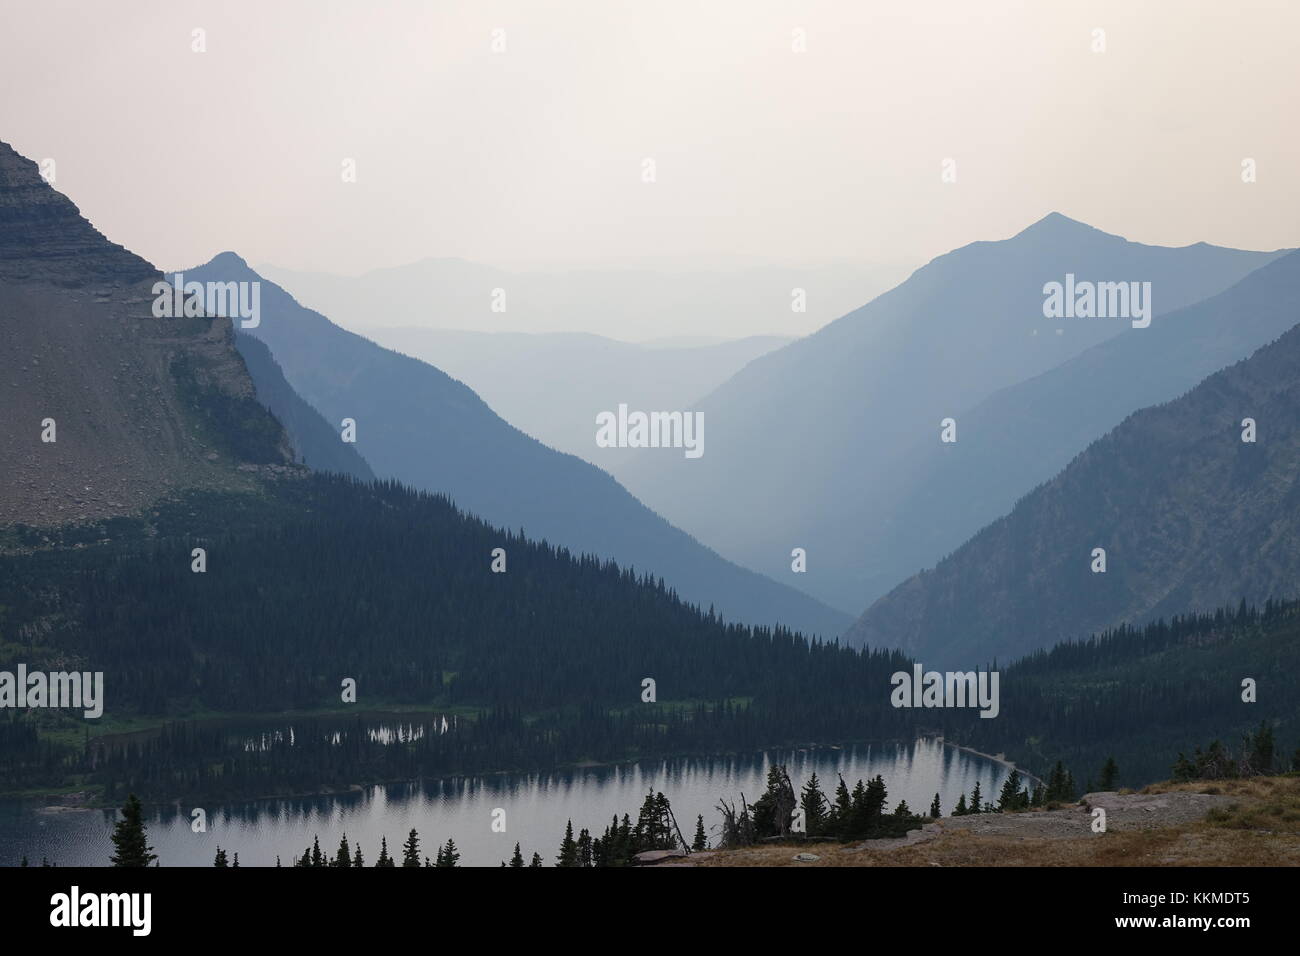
(324, 580)
(1140, 694)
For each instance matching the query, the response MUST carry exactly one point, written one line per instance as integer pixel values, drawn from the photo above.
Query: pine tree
(842, 813)
(1058, 787)
(1109, 774)
(814, 805)
(1009, 798)
(411, 849)
(317, 858)
(220, 858)
(450, 856)
(357, 861)
(935, 810)
(976, 799)
(586, 852)
(235, 865)
(960, 809)
(384, 858)
(537, 861)
(344, 855)
(701, 841)
(130, 839)
(1261, 750)
(569, 849)
(517, 861)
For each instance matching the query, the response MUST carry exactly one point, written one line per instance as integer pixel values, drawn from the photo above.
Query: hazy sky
(535, 154)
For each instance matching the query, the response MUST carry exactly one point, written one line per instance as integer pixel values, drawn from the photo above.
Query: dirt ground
(1227, 823)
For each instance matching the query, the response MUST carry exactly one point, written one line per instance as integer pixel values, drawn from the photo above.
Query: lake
(536, 807)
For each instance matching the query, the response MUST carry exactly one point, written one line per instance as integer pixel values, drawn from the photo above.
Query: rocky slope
(141, 406)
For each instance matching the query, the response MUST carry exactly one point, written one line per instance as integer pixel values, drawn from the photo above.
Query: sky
(517, 134)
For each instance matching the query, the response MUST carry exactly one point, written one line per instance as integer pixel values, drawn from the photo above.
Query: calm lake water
(536, 807)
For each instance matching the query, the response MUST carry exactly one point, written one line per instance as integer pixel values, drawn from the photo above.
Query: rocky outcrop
(43, 235)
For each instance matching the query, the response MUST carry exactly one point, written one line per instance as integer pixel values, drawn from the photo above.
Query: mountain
(1022, 435)
(1190, 517)
(646, 301)
(315, 443)
(132, 398)
(417, 425)
(142, 406)
(811, 446)
(553, 386)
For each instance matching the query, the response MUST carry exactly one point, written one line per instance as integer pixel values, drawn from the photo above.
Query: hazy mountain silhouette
(1190, 516)
(315, 443)
(629, 303)
(813, 445)
(552, 386)
(420, 426)
(1023, 435)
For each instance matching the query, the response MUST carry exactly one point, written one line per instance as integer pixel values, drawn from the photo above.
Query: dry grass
(1259, 827)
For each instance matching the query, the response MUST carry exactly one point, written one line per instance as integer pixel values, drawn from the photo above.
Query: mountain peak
(44, 236)
(1057, 224)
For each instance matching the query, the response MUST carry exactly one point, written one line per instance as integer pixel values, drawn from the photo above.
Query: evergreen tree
(220, 858)
(960, 809)
(317, 858)
(130, 839)
(357, 861)
(586, 854)
(841, 814)
(1109, 774)
(1059, 788)
(411, 849)
(517, 861)
(569, 848)
(235, 865)
(935, 810)
(344, 855)
(450, 855)
(384, 858)
(1261, 750)
(701, 841)
(814, 805)
(976, 805)
(537, 861)
(1009, 798)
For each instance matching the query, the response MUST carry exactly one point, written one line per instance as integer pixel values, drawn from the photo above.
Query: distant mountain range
(1190, 515)
(553, 386)
(826, 443)
(645, 303)
(419, 426)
